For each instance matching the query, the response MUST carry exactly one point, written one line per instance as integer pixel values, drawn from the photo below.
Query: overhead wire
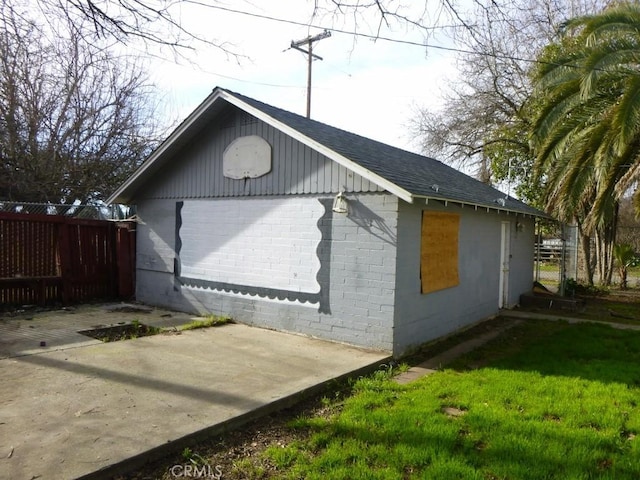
(356, 33)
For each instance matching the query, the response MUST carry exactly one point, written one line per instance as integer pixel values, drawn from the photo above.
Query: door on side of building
(505, 260)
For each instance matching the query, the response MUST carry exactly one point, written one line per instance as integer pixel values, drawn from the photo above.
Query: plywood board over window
(439, 251)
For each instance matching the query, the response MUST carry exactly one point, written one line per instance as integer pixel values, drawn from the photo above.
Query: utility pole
(310, 57)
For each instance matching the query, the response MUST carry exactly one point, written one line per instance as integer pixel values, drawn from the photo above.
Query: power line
(303, 24)
(338, 30)
(382, 38)
(354, 33)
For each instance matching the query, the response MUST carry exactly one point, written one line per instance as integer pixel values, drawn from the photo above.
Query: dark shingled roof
(414, 173)
(408, 175)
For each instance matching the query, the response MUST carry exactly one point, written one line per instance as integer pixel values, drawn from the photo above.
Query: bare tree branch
(151, 21)
(493, 88)
(75, 120)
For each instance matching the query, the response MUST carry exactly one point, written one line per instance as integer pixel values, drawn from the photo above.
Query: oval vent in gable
(247, 157)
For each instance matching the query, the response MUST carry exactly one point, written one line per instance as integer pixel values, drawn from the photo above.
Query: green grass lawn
(546, 400)
(549, 267)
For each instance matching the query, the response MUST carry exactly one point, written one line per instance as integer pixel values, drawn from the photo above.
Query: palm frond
(614, 20)
(627, 114)
(607, 67)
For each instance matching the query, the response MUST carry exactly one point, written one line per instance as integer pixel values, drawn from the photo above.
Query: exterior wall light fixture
(340, 203)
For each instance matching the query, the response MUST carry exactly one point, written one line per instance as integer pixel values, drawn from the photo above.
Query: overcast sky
(361, 85)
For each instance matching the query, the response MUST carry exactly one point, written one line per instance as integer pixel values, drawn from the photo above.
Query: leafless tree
(153, 22)
(75, 119)
(484, 120)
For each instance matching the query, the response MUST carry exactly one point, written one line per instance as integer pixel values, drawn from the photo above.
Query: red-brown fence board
(47, 259)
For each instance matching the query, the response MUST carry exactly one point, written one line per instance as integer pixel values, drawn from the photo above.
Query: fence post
(126, 248)
(66, 270)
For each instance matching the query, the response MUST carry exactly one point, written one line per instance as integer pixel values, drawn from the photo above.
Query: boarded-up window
(439, 251)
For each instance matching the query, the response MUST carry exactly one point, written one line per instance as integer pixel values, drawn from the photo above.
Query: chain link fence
(556, 255)
(92, 212)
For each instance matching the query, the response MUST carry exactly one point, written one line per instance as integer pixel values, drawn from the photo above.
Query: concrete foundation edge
(174, 446)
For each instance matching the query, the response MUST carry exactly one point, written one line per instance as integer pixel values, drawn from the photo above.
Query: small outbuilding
(287, 223)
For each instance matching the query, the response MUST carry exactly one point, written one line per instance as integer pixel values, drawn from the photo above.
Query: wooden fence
(53, 259)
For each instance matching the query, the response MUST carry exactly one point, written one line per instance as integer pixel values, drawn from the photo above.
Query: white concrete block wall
(360, 274)
(259, 242)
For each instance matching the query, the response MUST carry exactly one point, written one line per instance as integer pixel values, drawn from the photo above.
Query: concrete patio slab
(90, 411)
(33, 331)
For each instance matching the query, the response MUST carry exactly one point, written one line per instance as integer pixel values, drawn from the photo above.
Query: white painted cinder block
(258, 242)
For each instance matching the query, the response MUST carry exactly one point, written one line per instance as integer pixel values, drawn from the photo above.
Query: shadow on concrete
(189, 391)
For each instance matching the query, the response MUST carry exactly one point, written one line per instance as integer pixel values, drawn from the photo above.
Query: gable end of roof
(407, 175)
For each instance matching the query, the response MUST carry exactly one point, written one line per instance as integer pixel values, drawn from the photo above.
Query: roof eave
(476, 206)
(125, 192)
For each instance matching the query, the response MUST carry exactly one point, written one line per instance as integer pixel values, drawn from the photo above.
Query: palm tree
(586, 127)
(625, 257)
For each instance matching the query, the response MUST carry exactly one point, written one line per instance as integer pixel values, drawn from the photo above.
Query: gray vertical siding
(196, 172)
(420, 318)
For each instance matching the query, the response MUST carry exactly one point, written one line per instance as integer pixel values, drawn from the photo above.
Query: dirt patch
(114, 333)
(616, 306)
